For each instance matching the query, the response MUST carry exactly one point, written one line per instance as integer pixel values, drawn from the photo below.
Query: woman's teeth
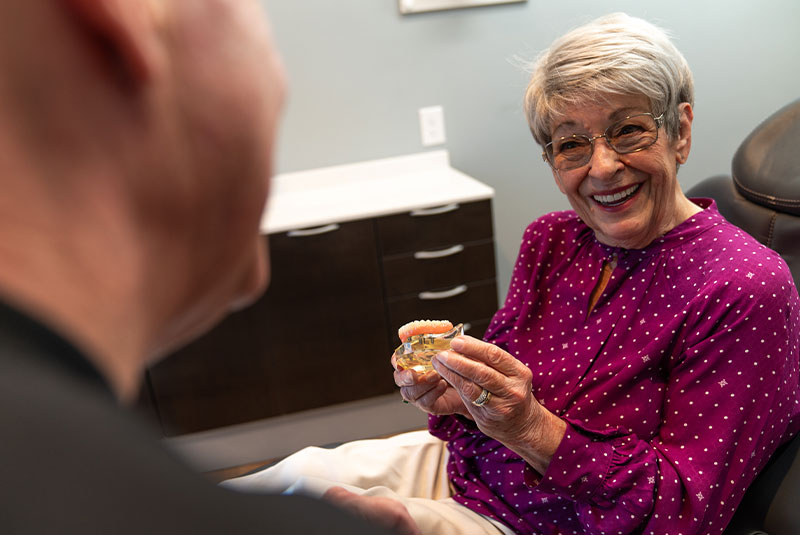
(617, 198)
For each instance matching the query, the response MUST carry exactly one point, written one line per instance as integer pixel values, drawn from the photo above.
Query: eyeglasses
(631, 134)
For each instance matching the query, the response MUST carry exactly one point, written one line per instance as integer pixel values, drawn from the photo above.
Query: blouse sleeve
(731, 393)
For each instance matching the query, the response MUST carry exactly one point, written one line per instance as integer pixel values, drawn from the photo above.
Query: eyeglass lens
(631, 134)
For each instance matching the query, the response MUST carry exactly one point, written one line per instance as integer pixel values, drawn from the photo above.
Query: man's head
(142, 132)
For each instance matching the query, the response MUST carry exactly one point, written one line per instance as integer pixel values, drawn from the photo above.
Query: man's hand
(375, 509)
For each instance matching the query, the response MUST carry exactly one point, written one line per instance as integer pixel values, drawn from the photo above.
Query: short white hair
(614, 54)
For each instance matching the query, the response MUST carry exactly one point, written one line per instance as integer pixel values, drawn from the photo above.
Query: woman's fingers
(420, 389)
(412, 378)
(488, 354)
(424, 397)
(414, 392)
(468, 390)
(460, 376)
(509, 394)
(469, 376)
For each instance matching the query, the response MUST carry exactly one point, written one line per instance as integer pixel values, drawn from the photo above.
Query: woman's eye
(628, 130)
(569, 145)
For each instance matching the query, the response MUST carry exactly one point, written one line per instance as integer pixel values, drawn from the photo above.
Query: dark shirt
(73, 461)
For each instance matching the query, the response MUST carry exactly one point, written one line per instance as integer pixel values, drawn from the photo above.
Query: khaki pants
(410, 468)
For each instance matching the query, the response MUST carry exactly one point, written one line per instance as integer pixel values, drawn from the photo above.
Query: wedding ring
(483, 399)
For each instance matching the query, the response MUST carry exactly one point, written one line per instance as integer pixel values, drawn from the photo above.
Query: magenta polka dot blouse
(676, 388)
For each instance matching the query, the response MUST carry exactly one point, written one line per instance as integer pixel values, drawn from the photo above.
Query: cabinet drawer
(438, 268)
(324, 317)
(479, 300)
(317, 337)
(429, 229)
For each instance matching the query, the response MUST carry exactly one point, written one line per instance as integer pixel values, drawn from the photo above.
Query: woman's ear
(683, 144)
(126, 30)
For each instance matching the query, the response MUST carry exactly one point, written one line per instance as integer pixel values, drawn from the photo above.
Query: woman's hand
(512, 415)
(428, 391)
(377, 510)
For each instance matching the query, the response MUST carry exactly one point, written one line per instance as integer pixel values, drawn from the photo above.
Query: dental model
(413, 328)
(422, 339)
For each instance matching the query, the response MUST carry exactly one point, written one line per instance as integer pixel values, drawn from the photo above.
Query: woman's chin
(623, 236)
(628, 229)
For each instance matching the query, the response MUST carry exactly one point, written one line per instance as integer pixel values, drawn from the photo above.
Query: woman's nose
(604, 161)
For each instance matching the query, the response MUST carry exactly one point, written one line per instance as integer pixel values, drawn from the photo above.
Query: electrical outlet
(431, 124)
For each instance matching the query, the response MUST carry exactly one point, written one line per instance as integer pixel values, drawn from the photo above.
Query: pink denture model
(422, 339)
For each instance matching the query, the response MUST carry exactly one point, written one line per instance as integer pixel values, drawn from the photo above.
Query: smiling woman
(626, 187)
(611, 389)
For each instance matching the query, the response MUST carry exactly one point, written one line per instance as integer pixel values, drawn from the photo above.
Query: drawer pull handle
(458, 290)
(434, 211)
(450, 251)
(312, 231)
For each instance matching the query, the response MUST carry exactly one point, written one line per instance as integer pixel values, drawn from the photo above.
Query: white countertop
(343, 193)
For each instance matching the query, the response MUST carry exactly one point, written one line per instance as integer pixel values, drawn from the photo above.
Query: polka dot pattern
(677, 387)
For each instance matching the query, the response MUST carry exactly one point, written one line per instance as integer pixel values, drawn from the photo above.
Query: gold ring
(483, 399)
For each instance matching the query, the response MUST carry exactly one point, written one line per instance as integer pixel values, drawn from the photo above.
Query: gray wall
(358, 71)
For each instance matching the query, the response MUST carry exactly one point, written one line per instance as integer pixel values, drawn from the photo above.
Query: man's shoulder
(96, 467)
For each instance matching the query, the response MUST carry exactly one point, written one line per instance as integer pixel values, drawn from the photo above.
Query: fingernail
(443, 356)
(457, 343)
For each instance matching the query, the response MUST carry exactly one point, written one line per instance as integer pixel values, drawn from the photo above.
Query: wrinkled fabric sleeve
(731, 390)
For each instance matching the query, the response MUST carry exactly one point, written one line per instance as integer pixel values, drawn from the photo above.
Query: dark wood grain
(402, 233)
(406, 274)
(315, 338)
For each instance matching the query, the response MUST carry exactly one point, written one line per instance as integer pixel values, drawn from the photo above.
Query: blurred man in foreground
(135, 154)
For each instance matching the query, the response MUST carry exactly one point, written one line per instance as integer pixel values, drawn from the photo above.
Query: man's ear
(125, 29)
(683, 144)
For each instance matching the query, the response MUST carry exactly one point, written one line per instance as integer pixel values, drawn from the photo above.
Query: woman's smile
(627, 198)
(616, 199)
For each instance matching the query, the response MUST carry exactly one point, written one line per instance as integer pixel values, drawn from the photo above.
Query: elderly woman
(644, 366)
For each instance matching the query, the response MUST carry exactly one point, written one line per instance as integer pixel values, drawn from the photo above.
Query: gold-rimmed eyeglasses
(631, 134)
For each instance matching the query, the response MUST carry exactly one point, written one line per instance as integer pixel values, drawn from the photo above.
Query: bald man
(135, 154)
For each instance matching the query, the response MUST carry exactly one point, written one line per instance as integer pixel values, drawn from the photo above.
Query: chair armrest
(740, 530)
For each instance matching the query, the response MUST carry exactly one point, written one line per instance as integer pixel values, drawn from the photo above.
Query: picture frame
(421, 6)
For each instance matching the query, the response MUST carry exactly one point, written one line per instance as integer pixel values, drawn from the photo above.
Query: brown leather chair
(763, 198)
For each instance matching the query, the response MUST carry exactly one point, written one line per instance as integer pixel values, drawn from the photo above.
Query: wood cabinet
(323, 331)
(439, 264)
